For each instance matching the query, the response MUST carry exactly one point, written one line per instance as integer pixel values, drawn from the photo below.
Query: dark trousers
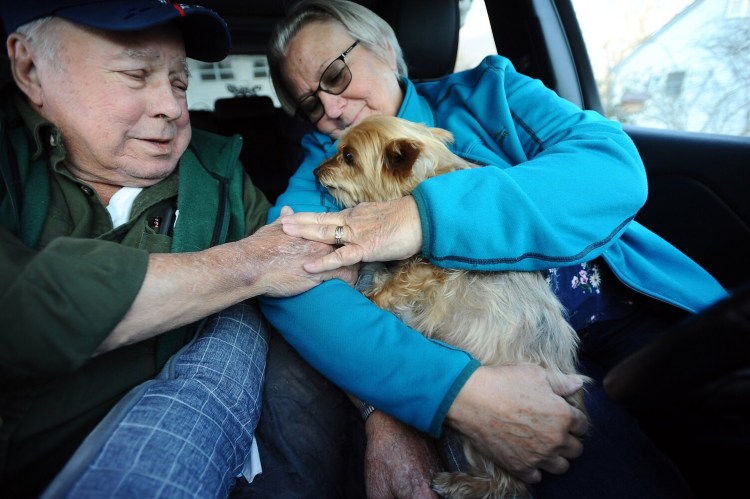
(312, 441)
(310, 436)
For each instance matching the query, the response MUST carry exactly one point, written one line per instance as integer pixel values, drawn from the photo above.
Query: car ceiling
(251, 21)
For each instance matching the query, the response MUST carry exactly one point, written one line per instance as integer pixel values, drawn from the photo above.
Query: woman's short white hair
(372, 31)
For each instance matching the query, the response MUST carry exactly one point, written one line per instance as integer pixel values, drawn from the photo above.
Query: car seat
(430, 49)
(691, 392)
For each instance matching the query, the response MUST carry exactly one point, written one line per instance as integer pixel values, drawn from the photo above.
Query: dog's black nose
(316, 172)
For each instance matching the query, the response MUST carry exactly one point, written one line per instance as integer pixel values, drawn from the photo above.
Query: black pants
(311, 438)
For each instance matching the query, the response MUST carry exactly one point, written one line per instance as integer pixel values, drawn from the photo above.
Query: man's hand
(282, 258)
(372, 232)
(518, 416)
(399, 462)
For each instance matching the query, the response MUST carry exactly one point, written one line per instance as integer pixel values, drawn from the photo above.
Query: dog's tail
(478, 478)
(459, 485)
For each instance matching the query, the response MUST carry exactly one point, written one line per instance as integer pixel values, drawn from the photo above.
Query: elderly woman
(334, 63)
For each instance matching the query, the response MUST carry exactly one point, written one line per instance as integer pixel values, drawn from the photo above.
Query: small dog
(501, 318)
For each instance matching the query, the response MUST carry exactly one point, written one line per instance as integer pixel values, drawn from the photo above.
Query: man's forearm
(182, 288)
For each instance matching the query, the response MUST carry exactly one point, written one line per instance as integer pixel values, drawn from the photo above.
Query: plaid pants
(187, 433)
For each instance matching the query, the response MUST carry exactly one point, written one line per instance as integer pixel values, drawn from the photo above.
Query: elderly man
(121, 229)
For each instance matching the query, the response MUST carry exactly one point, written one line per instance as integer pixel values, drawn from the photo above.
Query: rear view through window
(671, 64)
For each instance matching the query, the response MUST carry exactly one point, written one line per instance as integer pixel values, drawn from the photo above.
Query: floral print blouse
(590, 293)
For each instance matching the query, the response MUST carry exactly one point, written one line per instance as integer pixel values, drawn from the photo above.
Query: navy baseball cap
(205, 32)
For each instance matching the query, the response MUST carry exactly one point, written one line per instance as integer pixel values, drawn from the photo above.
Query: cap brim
(205, 32)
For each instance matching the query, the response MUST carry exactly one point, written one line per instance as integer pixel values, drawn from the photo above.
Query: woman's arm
(373, 355)
(560, 186)
(363, 349)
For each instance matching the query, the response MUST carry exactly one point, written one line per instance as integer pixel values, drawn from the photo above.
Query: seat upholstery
(691, 391)
(427, 56)
(270, 152)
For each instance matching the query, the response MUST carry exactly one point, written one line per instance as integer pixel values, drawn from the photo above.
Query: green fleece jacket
(67, 277)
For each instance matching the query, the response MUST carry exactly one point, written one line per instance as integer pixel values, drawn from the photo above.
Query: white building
(234, 76)
(693, 74)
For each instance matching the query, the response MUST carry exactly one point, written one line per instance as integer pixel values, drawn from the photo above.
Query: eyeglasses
(334, 80)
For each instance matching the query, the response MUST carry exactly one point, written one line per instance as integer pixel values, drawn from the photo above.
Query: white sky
(612, 22)
(476, 40)
(616, 22)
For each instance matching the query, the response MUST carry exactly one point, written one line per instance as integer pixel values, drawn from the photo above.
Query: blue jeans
(187, 433)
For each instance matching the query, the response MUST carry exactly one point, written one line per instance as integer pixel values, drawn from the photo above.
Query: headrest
(427, 31)
(243, 107)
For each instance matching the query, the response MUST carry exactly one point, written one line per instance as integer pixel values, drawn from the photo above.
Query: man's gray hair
(361, 23)
(42, 34)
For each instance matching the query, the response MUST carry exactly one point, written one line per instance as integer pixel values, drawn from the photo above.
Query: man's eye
(180, 85)
(136, 75)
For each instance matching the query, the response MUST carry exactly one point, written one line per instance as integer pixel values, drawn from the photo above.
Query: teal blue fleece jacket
(560, 186)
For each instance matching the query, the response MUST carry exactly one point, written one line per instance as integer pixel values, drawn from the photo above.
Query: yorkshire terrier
(501, 318)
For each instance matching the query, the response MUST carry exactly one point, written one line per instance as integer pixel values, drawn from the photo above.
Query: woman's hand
(282, 260)
(399, 462)
(518, 416)
(372, 232)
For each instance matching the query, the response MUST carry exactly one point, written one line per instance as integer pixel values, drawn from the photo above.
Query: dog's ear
(400, 155)
(442, 135)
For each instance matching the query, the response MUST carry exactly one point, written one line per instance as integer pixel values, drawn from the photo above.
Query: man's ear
(23, 67)
(400, 156)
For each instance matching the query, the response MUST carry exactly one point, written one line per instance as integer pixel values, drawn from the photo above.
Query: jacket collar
(45, 135)
(414, 107)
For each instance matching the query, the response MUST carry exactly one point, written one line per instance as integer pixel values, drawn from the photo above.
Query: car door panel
(699, 197)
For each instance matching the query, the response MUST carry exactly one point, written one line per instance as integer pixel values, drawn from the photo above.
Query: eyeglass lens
(335, 80)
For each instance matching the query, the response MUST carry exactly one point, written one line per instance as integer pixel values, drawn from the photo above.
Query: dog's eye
(348, 157)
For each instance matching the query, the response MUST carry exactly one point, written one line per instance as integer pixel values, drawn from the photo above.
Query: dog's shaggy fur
(499, 317)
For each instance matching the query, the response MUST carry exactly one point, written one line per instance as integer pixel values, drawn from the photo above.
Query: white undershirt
(121, 203)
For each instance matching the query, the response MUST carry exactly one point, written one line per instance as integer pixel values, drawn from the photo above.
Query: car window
(672, 64)
(237, 75)
(242, 75)
(475, 40)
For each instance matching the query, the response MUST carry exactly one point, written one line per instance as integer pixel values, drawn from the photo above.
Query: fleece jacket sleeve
(364, 350)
